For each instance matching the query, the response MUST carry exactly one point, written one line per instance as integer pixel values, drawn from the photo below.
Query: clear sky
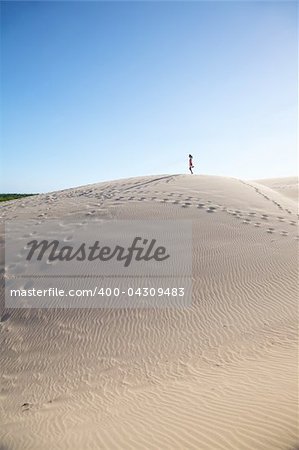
(92, 91)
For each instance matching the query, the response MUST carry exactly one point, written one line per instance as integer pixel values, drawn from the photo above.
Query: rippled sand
(221, 374)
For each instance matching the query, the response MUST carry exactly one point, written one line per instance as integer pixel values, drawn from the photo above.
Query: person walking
(191, 164)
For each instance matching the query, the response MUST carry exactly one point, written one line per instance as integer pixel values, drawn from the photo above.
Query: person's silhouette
(191, 164)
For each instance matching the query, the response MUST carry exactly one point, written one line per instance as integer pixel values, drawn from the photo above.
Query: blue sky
(93, 91)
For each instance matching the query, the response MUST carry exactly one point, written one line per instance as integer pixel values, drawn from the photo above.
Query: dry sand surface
(220, 374)
(286, 186)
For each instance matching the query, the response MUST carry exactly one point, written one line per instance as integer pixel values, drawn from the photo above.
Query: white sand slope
(286, 186)
(221, 374)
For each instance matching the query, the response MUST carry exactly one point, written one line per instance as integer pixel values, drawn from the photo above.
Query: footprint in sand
(257, 224)
(246, 221)
(293, 222)
(264, 217)
(284, 233)
(68, 238)
(211, 209)
(270, 230)
(5, 317)
(201, 205)
(26, 406)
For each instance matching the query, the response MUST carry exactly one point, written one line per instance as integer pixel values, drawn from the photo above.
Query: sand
(286, 186)
(220, 374)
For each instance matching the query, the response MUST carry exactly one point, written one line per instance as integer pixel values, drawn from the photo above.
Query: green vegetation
(7, 197)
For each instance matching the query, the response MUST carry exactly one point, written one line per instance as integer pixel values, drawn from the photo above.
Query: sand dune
(286, 186)
(220, 374)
